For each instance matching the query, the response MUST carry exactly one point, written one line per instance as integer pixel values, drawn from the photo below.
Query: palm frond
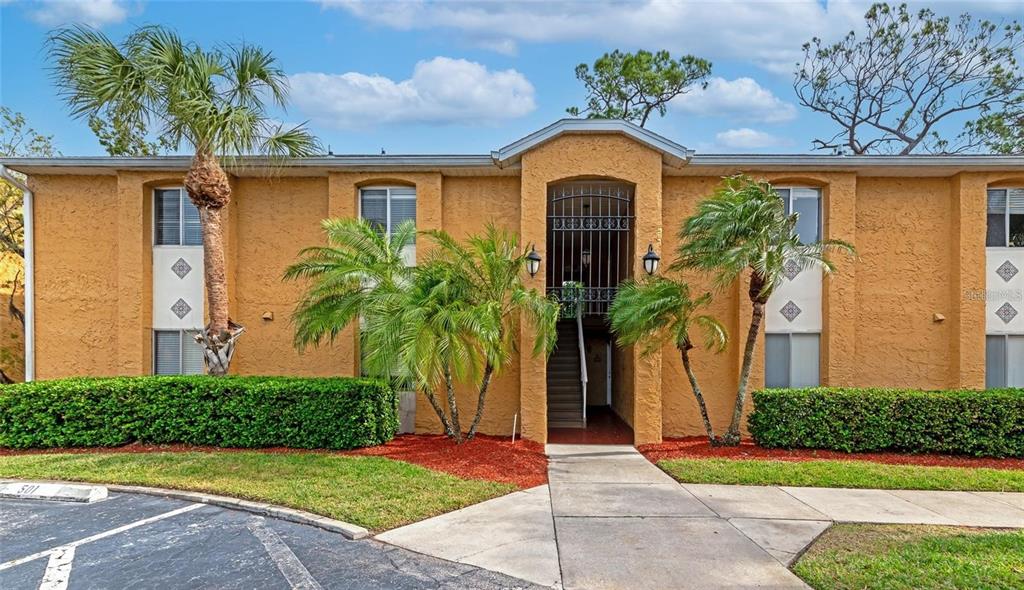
(660, 310)
(742, 226)
(216, 101)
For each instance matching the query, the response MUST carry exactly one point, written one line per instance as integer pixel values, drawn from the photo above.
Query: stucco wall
(903, 278)
(716, 372)
(76, 275)
(468, 203)
(594, 156)
(274, 219)
(920, 245)
(879, 325)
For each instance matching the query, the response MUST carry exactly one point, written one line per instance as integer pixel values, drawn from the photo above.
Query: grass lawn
(913, 558)
(842, 474)
(373, 492)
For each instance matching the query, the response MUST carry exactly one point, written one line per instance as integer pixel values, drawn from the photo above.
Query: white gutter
(30, 272)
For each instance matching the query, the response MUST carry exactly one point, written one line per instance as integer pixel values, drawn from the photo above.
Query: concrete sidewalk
(611, 519)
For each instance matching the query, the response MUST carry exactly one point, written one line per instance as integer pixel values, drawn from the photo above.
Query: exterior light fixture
(585, 257)
(651, 260)
(533, 262)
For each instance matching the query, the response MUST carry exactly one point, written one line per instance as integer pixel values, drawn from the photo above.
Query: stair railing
(572, 293)
(583, 360)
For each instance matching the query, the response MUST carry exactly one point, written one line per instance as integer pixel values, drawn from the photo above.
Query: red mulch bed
(523, 464)
(698, 448)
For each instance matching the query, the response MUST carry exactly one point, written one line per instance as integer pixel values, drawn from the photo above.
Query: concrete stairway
(565, 392)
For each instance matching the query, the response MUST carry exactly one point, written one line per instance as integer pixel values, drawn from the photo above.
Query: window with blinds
(387, 207)
(806, 203)
(176, 219)
(792, 360)
(1004, 361)
(175, 352)
(1005, 218)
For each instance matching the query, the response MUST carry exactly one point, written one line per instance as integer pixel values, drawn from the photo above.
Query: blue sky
(469, 77)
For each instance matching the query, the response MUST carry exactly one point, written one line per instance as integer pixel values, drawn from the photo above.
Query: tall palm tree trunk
(684, 351)
(453, 407)
(209, 189)
(214, 269)
(732, 436)
(484, 384)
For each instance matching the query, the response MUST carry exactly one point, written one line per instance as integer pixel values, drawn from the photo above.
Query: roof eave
(674, 155)
(182, 163)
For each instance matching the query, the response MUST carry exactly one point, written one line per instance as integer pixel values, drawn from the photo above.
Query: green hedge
(961, 422)
(309, 413)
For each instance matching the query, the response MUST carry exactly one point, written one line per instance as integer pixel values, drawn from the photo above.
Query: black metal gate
(590, 241)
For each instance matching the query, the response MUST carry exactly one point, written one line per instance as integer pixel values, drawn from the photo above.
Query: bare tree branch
(910, 77)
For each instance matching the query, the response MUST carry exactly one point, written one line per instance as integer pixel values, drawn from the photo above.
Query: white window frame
(1006, 359)
(1006, 216)
(182, 195)
(789, 369)
(819, 197)
(182, 334)
(387, 199)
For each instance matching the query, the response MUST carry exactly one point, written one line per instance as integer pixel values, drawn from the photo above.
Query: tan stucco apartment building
(934, 298)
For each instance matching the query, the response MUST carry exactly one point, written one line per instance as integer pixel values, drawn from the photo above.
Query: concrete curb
(348, 530)
(56, 492)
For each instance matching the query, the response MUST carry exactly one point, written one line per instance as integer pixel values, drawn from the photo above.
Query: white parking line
(284, 558)
(97, 537)
(58, 570)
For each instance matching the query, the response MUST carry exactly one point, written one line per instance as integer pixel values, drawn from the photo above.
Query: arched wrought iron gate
(590, 241)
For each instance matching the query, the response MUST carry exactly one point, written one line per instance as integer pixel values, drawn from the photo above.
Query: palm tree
(427, 334)
(361, 276)
(449, 320)
(214, 102)
(660, 310)
(492, 264)
(359, 263)
(744, 226)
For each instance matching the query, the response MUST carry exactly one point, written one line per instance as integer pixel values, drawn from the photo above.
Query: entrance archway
(590, 251)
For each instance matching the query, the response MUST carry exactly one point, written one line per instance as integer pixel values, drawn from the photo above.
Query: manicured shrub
(308, 413)
(962, 422)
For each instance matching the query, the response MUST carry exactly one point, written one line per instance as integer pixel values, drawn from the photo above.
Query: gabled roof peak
(672, 153)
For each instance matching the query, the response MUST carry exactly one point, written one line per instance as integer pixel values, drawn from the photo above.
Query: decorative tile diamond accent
(181, 308)
(1006, 313)
(1007, 271)
(790, 311)
(181, 268)
(791, 269)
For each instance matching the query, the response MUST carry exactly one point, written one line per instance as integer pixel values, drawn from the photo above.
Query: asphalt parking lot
(136, 541)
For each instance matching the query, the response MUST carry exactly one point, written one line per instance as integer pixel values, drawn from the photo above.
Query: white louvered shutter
(167, 352)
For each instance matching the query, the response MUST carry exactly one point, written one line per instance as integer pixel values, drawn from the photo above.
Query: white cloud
(94, 13)
(768, 33)
(742, 99)
(747, 138)
(441, 91)
(502, 46)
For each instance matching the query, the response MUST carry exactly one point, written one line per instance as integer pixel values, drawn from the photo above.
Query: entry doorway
(590, 251)
(606, 396)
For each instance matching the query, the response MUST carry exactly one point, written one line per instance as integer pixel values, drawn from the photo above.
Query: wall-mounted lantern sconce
(533, 262)
(651, 260)
(585, 257)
